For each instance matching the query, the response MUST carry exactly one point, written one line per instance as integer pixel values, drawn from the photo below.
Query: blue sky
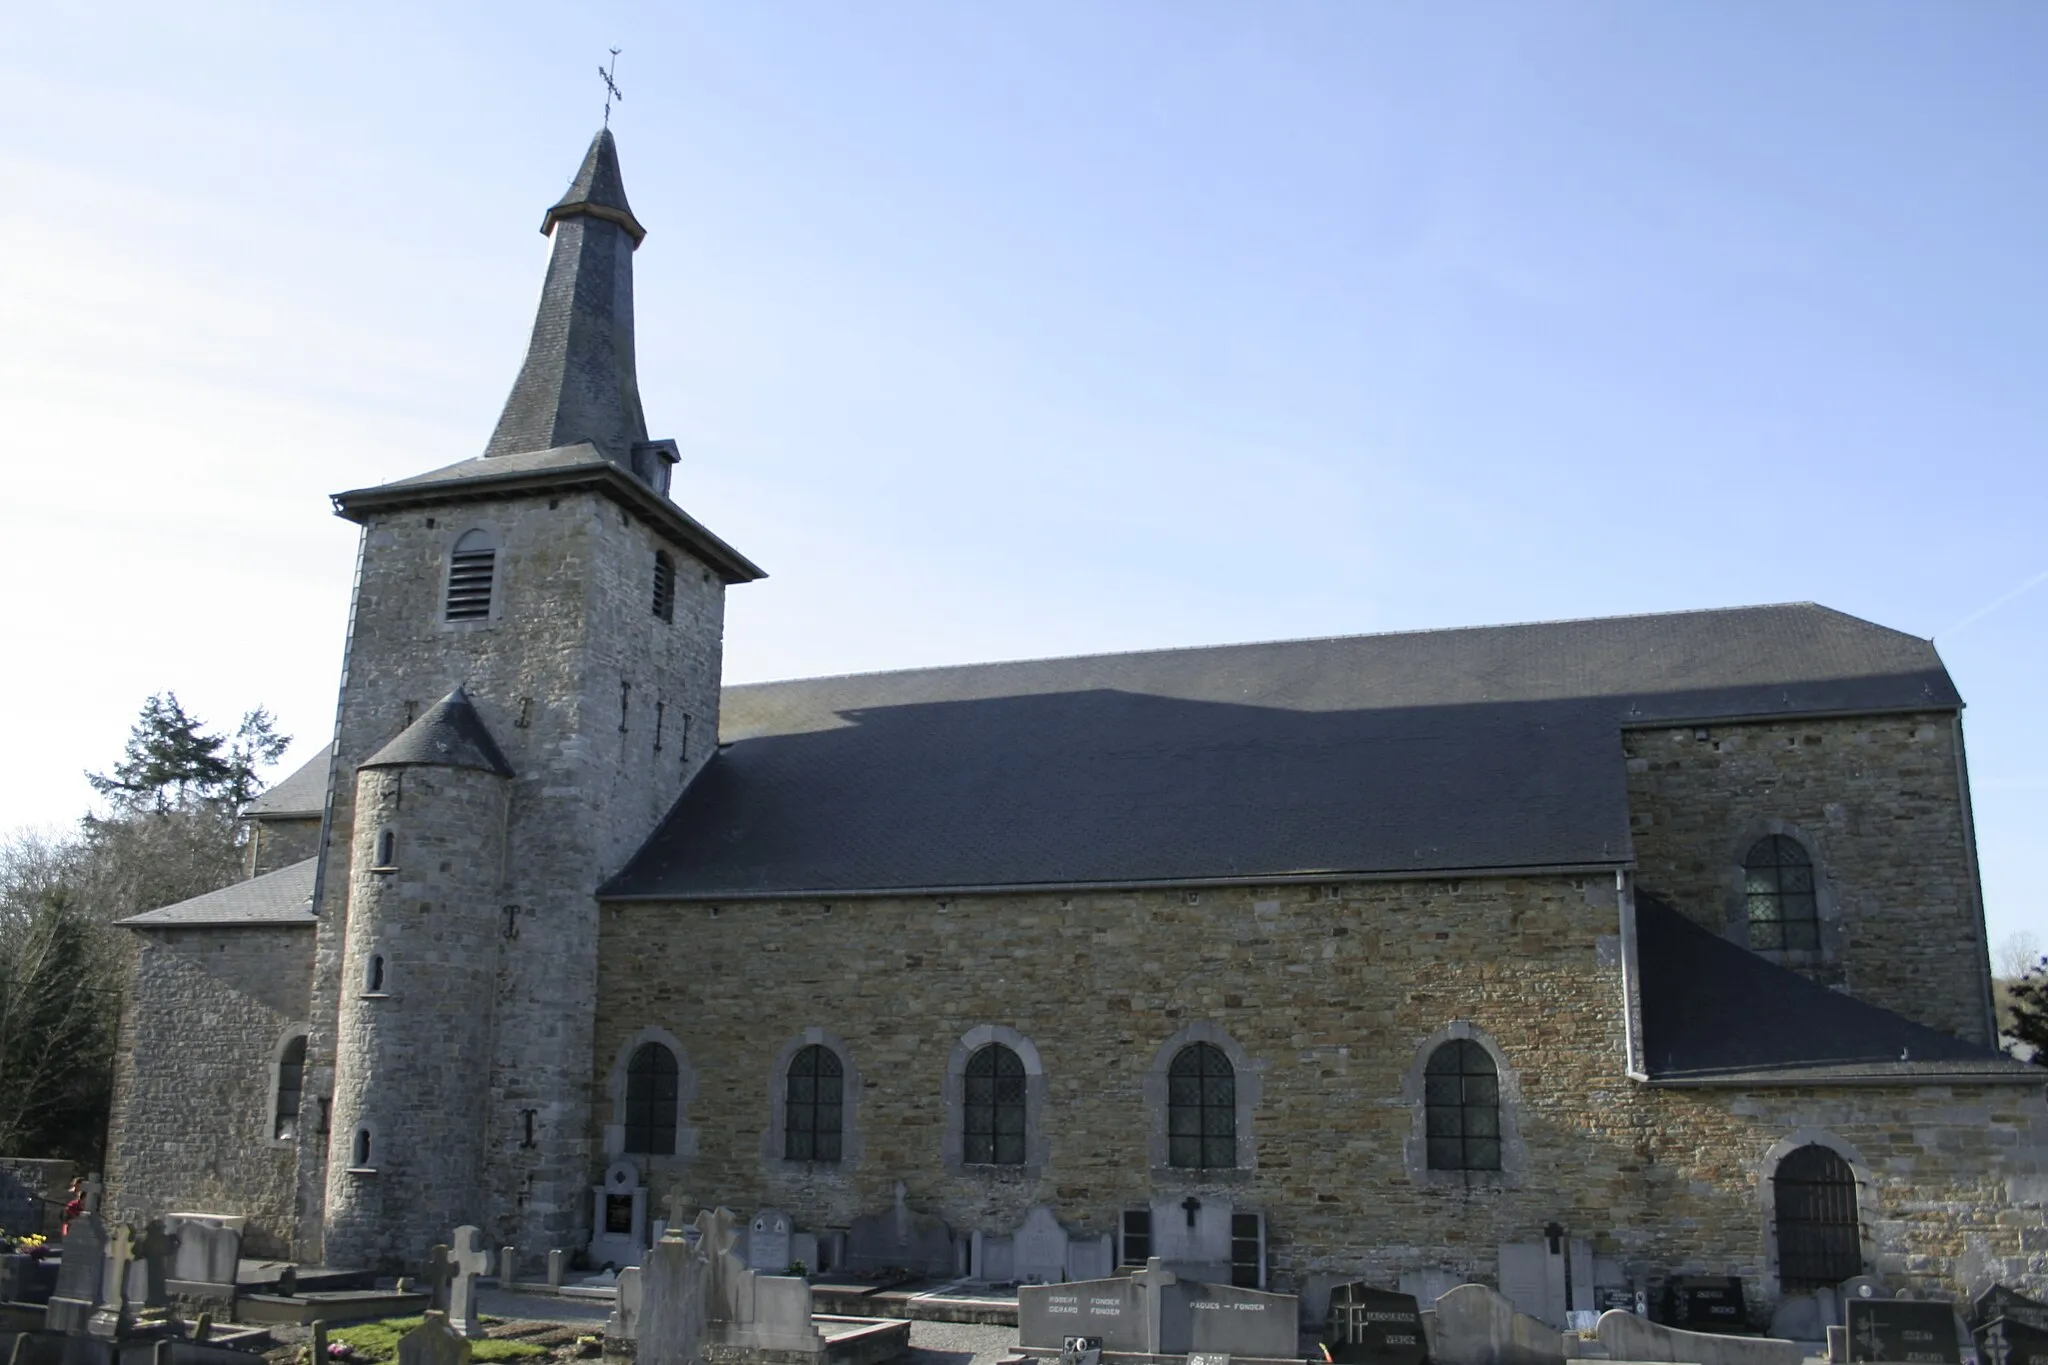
(1008, 330)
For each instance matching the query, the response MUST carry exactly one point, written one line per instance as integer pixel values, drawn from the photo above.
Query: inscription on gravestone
(1370, 1326)
(1903, 1331)
(1708, 1303)
(2008, 1341)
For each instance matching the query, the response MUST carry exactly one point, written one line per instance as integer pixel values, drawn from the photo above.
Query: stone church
(1378, 957)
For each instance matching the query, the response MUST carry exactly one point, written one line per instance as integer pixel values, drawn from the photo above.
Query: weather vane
(611, 88)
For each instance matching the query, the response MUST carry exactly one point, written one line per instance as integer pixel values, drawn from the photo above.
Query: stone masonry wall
(280, 843)
(567, 674)
(1877, 800)
(192, 1128)
(1335, 1000)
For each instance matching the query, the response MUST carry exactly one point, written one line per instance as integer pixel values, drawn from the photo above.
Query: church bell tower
(532, 678)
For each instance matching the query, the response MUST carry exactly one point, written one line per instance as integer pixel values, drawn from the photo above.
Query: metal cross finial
(611, 88)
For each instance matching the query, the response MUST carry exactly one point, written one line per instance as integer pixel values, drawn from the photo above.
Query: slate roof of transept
(283, 897)
(303, 793)
(1715, 1013)
(1438, 751)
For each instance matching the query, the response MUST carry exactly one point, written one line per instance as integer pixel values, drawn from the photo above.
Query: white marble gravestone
(768, 1237)
(209, 1247)
(1038, 1249)
(624, 1323)
(619, 1216)
(1192, 1236)
(471, 1261)
(670, 1327)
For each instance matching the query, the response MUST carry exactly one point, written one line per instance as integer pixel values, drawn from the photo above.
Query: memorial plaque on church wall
(1903, 1331)
(2008, 1341)
(1047, 1314)
(1707, 1303)
(1370, 1326)
(1231, 1321)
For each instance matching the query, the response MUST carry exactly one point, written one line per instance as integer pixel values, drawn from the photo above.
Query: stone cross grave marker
(152, 1266)
(433, 1342)
(110, 1319)
(470, 1261)
(438, 1271)
(1153, 1281)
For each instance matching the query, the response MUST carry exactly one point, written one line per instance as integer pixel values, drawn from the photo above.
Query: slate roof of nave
(283, 897)
(1478, 749)
(303, 793)
(1715, 1013)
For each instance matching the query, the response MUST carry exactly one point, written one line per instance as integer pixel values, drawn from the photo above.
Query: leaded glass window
(1778, 879)
(993, 1127)
(651, 1080)
(1461, 1101)
(813, 1105)
(1201, 1109)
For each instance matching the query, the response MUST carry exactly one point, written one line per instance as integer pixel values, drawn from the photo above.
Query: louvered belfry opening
(472, 574)
(1819, 1243)
(664, 586)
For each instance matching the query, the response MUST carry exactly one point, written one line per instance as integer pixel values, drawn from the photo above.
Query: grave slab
(1476, 1326)
(1628, 1337)
(433, 1342)
(1911, 1331)
(1373, 1326)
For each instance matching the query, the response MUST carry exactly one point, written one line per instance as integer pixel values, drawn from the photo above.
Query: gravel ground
(959, 1343)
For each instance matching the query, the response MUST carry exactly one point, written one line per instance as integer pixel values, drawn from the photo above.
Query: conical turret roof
(448, 734)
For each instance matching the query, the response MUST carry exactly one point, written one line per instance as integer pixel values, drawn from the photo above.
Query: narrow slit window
(361, 1153)
(472, 577)
(387, 849)
(291, 1081)
(373, 974)
(664, 586)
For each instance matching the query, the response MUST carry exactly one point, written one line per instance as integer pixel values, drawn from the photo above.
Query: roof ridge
(1165, 650)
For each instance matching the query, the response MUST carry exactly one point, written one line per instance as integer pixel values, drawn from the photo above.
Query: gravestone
(208, 1248)
(110, 1319)
(436, 1275)
(21, 1204)
(470, 1262)
(900, 1239)
(624, 1323)
(619, 1216)
(1109, 1311)
(768, 1237)
(433, 1342)
(745, 1309)
(803, 1250)
(1912, 1331)
(78, 1275)
(1372, 1326)
(1476, 1326)
(1229, 1321)
(1798, 1318)
(1192, 1237)
(2001, 1302)
(508, 1266)
(2009, 1341)
(558, 1262)
(670, 1330)
(1707, 1303)
(149, 1272)
(1091, 1258)
(1038, 1249)
(1628, 1337)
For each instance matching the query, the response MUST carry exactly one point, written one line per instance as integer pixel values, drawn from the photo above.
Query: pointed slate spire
(579, 382)
(448, 734)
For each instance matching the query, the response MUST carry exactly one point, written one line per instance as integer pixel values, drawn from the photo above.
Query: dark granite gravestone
(1707, 1303)
(2008, 1341)
(2001, 1302)
(1103, 1310)
(1371, 1326)
(1903, 1331)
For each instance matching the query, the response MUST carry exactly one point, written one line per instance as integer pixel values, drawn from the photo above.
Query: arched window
(472, 571)
(360, 1154)
(1201, 1109)
(664, 586)
(291, 1082)
(652, 1077)
(373, 974)
(1814, 1198)
(814, 1108)
(1461, 1099)
(387, 848)
(1778, 878)
(992, 1130)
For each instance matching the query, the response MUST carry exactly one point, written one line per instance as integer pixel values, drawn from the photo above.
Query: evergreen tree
(59, 1016)
(170, 763)
(2028, 1022)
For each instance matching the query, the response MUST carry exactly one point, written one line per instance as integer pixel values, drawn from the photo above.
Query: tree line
(169, 828)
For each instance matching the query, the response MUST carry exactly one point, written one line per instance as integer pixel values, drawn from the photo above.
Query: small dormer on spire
(579, 382)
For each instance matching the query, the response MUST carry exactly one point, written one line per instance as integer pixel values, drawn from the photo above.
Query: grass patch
(378, 1341)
